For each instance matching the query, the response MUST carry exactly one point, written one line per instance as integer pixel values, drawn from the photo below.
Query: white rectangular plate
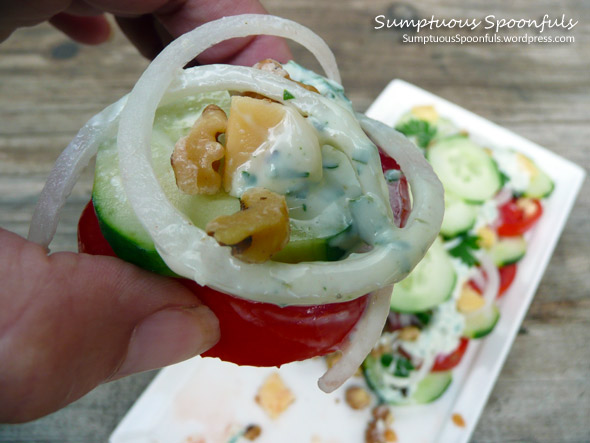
(206, 400)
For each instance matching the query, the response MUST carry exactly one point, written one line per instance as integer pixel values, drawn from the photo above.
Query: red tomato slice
(449, 361)
(507, 275)
(514, 220)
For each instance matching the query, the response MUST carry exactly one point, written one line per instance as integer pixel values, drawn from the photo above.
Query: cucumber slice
(480, 323)
(429, 389)
(508, 250)
(540, 186)
(431, 282)
(459, 217)
(464, 168)
(432, 387)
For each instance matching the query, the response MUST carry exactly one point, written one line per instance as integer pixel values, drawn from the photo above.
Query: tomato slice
(444, 362)
(254, 333)
(507, 275)
(515, 219)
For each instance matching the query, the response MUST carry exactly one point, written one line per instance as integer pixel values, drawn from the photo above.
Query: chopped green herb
(421, 129)
(304, 206)
(287, 95)
(464, 250)
(403, 366)
(504, 178)
(424, 317)
(386, 360)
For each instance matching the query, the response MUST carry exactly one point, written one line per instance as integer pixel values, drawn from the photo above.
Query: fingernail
(169, 336)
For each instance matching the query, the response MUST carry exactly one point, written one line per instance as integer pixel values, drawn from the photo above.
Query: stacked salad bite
(493, 196)
(262, 190)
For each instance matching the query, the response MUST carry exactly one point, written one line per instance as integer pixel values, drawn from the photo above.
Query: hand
(149, 24)
(69, 322)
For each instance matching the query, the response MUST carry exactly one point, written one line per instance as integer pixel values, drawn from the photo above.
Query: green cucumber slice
(540, 186)
(464, 168)
(480, 323)
(432, 387)
(429, 389)
(459, 217)
(508, 250)
(431, 282)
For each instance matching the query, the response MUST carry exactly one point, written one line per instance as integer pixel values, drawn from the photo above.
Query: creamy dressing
(487, 214)
(510, 164)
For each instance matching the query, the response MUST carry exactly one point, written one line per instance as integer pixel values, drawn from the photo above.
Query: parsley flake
(287, 95)
(421, 129)
(464, 250)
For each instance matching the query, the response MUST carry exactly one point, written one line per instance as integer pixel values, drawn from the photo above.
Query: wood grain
(50, 86)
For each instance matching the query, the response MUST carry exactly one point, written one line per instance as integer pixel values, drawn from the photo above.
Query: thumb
(72, 321)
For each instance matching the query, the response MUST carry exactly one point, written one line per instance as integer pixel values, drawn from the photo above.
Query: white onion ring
(360, 341)
(504, 196)
(67, 169)
(492, 286)
(479, 279)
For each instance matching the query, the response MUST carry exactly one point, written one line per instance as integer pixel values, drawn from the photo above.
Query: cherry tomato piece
(449, 361)
(507, 275)
(515, 219)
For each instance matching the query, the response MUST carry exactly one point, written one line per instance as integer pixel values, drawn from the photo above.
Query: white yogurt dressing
(508, 162)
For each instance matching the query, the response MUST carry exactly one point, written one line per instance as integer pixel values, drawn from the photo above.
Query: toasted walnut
(409, 333)
(274, 397)
(469, 300)
(259, 230)
(252, 432)
(196, 157)
(458, 420)
(275, 67)
(357, 397)
(379, 428)
(272, 66)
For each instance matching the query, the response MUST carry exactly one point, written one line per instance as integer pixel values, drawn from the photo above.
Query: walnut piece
(379, 429)
(274, 397)
(273, 66)
(458, 420)
(357, 397)
(409, 333)
(196, 157)
(252, 432)
(256, 232)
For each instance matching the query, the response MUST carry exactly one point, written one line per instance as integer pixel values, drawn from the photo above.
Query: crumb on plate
(274, 397)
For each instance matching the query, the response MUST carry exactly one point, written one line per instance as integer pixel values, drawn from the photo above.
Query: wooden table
(50, 86)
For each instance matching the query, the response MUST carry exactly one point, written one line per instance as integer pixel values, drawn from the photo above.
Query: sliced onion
(492, 286)
(67, 169)
(479, 279)
(504, 196)
(361, 340)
